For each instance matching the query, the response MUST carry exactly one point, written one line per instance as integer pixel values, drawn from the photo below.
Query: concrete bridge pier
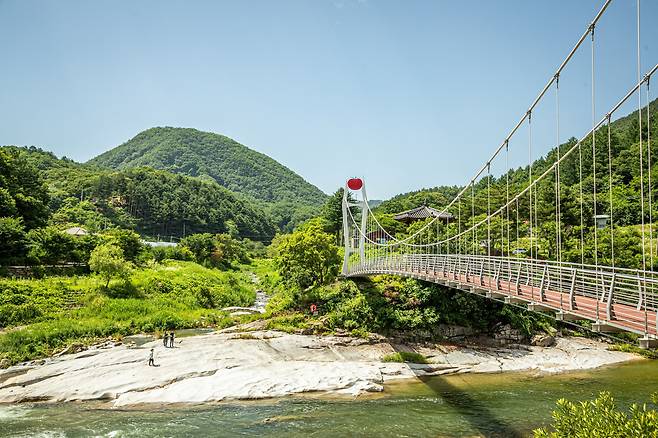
(647, 343)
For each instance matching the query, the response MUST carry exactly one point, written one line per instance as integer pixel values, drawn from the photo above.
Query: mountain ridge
(215, 156)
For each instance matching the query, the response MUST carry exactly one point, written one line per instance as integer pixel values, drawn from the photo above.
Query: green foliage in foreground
(601, 418)
(58, 311)
(404, 356)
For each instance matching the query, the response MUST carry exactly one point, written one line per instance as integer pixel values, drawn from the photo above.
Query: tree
(48, 245)
(23, 192)
(307, 257)
(218, 250)
(107, 260)
(128, 240)
(332, 212)
(231, 250)
(13, 238)
(201, 245)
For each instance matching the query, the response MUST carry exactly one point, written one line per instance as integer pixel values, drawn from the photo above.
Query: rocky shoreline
(234, 365)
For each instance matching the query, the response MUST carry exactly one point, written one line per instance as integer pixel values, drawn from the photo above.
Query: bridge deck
(607, 316)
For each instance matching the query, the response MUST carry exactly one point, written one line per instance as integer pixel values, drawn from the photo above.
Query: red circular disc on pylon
(354, 183)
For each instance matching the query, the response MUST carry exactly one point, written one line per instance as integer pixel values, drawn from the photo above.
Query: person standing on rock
(171, 339)
(151, 361)
(165, 339)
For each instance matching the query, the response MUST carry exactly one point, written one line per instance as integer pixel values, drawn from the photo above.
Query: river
(507, 404)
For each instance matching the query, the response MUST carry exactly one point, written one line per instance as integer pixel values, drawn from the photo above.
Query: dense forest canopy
(205, 154)
(151, 201)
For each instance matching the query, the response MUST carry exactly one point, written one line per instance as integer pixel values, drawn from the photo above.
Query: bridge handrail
(629, 287)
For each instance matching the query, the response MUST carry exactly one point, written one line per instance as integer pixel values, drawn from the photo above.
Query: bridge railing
(601, 292)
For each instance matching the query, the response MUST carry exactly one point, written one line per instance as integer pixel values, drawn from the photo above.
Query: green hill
(154, 202)
(204, 154)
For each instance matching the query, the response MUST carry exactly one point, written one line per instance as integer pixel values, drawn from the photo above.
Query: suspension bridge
(514, 241)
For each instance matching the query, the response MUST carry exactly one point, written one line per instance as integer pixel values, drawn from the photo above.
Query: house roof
(76, 231)
(422, 212)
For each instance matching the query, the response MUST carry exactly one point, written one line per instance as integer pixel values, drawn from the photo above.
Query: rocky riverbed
(234, 365)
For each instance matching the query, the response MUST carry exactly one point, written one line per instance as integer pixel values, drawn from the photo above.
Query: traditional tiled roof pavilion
(421, 213)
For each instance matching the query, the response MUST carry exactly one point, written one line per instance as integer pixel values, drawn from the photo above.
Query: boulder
(543, 340)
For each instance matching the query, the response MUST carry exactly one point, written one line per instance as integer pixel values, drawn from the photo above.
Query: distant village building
(601, 220)
(421, 213)
(159, 244)
(76, 231)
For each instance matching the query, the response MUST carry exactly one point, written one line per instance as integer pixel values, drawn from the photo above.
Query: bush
(219, 250)
(601, 418)
(16, 314)
(159, 286)
(404, 356)
(629, 348)
(182, 253)
(287, 323)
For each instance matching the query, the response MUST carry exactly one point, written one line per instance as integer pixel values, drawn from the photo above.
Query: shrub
(628, 348)
(404, 356)
(161, 253)
(287, 323)
(601, 418)
(159, 286)
(16, 314)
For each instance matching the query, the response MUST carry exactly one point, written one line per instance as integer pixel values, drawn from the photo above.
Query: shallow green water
(502, 405)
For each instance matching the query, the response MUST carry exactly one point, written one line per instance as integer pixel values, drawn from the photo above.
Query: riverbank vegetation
(43, 316)
(382, 304)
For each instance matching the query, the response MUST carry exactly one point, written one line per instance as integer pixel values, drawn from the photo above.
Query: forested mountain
(205, 154)
(436, 197)
(153, 202)
(626, 197)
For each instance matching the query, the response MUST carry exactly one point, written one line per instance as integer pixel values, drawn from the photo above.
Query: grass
(404, 356)
(290, 323)
(629, 348)
(43, 316)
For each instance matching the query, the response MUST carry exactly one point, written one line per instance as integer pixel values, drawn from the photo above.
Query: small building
(601, 220)
(421, 213)
(157, 244)
(76, 231)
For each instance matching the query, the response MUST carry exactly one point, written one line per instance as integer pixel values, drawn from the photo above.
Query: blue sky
(406, 94)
